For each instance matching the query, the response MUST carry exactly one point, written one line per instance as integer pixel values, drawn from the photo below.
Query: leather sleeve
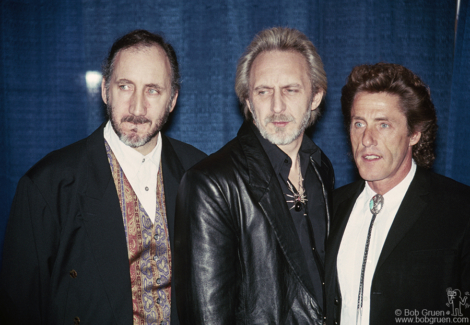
(206, 269)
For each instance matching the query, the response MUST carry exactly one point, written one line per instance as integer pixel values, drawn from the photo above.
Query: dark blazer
(427, 249)
(65, 254)
(238, 257)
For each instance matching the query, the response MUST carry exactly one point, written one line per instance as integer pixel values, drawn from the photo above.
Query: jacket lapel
(341, 215)
(409, 212)
(173, 171)
(340, 218)
(267, 191)
(103, 221)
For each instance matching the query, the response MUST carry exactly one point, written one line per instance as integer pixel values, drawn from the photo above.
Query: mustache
(279, 118)
(135, 119)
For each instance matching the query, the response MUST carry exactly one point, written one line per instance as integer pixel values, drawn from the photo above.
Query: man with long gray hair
(252, 219)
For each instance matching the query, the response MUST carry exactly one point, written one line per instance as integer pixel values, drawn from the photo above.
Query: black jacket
(427, 251)
(238, 258)
(65, 255)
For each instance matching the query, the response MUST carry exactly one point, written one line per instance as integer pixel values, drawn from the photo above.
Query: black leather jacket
(238, 259)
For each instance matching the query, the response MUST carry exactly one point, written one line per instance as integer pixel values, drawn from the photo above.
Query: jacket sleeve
(206, 269)
(30, 240)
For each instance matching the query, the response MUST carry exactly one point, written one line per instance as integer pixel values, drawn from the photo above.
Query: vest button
(159, 281)
(73, 274)
(158, 301)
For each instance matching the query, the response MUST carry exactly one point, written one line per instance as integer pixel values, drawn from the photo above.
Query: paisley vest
(148, 247)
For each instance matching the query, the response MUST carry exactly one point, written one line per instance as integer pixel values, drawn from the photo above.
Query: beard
(281, 136)
(132, 138)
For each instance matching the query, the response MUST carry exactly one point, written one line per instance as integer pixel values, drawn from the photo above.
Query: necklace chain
(299, 197)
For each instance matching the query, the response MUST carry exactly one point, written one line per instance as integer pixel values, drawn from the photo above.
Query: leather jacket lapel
(267, 191)
(322, 175)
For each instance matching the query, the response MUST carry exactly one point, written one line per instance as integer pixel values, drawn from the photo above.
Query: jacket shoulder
(447, 195)
(345, 192)
(67, 166)
(187, 154)
(348, 189)
(59, 161)
(222, 160)
(447, 186)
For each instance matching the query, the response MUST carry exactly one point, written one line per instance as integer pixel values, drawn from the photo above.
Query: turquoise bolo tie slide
(376, 204)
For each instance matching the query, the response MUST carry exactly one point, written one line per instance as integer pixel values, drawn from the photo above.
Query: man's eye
(358, 124)
(124, 87)
(153, 91)
(262, 92)
(384, 125)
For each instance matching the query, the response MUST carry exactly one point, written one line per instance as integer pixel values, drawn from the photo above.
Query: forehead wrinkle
(125, 62)
(289, 85)
(124, 80)
(262, 86)
(382, 119)
(154, 85)
(149, 85)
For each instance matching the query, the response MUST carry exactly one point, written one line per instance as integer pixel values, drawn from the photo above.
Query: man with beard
(90, 234)
(252, 219)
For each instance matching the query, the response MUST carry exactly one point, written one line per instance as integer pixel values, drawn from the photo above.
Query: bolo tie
(375, 205)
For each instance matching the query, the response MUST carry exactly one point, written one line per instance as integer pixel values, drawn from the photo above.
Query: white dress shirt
(351, 251)
(141, 171)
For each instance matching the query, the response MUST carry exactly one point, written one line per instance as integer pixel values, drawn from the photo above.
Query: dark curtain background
(457, 146)
(49, 48)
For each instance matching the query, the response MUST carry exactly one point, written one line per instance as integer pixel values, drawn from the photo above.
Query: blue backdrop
(49, 48)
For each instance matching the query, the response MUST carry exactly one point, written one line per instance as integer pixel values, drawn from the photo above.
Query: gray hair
(280, 39)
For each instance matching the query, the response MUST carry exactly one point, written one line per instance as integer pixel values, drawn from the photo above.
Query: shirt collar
(277, 157)
(396, 194)
(129, 158)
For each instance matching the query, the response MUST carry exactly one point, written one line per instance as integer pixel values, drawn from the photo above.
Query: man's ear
(173, 101)
(103, 91)
(317, 100)
(247, 101)
(414, 139)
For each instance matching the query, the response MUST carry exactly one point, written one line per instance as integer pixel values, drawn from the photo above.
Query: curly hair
(280, 39)
(415, 102)
(137, 39)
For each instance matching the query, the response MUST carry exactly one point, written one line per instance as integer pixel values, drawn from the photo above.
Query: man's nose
(368, 137)
(138, 106)
(278, 105)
